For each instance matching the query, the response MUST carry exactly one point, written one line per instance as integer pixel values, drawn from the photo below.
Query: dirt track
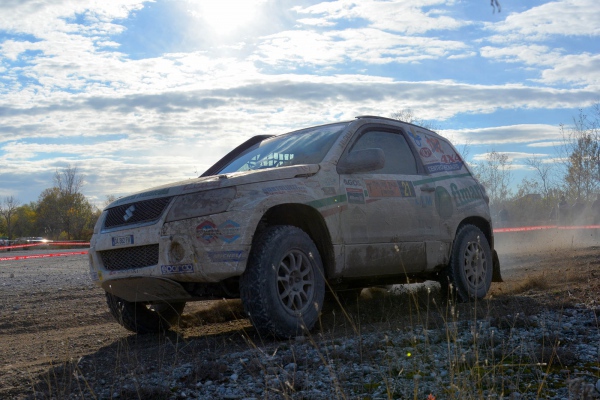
(51, 314)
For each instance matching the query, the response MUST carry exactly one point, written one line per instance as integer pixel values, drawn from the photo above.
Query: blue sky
(139, 93)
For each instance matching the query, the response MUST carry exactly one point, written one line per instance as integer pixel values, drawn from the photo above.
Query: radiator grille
(135, 213)
(130, 257)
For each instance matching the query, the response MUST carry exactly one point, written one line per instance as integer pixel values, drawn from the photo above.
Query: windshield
(307, 146)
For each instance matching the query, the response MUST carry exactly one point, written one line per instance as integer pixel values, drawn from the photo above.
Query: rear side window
(437, 154)
(399, 159)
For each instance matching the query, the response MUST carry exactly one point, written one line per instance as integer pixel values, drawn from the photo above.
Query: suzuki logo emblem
(129, 213)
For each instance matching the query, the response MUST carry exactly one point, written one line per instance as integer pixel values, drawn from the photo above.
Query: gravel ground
(537, 335)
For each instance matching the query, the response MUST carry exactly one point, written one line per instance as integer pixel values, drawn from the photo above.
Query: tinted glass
(308, 146)
(399, 158)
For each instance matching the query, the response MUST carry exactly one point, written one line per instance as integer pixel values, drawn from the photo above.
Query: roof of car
(392, 120)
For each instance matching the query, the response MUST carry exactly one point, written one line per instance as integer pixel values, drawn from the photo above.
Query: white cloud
(337, 48)
(396, 16)
(582, 69)
(504, 134)
(512, 156)
(563, 18)
(553, 144)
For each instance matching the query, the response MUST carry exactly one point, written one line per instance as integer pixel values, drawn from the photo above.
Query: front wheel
(144, 318)
(469, 274)
(283, 287)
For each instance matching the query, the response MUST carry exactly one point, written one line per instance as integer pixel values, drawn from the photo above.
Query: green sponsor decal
(328, 201)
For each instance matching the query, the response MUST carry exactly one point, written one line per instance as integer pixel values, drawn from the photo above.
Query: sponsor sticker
(425, 152)
(177, 269)
(390, 188)
(423, 201)
(465, 195)
(154, 193)
(207, 232)
(382, 188)
(122, 240)
(434, 144)
(123, 271)
(229, 231)
(355, 196)
(415, 137)
(226, 256)
(281, 189)
(442, 167)
(328, 191)
(202, 185)
(352, 182)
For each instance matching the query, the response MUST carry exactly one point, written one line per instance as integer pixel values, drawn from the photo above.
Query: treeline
(571, 178)
(61, 212)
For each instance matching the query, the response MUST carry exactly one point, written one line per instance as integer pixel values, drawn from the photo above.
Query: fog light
(176, 252)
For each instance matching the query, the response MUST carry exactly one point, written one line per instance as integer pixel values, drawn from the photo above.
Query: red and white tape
(20, 246)
(74, 253)
(68, 253)
(536, 228)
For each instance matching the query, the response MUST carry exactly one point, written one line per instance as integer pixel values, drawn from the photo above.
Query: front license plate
(122, 240)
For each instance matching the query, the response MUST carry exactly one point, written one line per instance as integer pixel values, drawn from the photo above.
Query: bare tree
(68, 180)
(407, 115)
(109, 199)
(494, 173)
(7, 209)
(580, 154)
(544, 176)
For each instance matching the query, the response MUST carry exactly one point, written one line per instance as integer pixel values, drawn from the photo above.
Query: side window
(399, 158)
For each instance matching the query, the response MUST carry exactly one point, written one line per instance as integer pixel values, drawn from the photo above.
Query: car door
(388, 219)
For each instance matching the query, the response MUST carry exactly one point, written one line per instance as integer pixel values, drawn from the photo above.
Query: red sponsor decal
(449, 158)
(425, 152)
(207, 231)
(434, 144)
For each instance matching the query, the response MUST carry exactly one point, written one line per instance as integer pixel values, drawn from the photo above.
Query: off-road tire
(469, 275)
(142, 318)
(283, 286)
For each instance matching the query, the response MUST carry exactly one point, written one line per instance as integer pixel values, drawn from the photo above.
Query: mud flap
(496, 276)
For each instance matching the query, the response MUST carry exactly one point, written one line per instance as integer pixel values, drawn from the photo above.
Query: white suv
(346, 205)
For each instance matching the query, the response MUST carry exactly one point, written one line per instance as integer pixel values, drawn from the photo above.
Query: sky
(138, 93)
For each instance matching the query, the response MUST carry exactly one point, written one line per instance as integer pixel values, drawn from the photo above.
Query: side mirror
(361, 161)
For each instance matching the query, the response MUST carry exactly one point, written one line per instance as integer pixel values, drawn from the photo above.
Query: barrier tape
(536, 228)
(69, 253)
(73, 253)
(20, 246)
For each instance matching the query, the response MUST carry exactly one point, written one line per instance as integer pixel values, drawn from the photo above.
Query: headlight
(201, 203)
(99, 222)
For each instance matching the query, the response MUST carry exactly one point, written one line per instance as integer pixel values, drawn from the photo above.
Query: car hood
(218, 181)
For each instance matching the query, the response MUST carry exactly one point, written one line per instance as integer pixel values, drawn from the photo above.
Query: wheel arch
(309, 220)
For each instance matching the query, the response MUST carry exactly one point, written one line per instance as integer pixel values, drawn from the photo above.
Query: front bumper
(150, 263)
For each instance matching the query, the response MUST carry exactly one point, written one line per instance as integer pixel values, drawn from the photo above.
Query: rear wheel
(283, 287)
(144, 318)
(469, 274)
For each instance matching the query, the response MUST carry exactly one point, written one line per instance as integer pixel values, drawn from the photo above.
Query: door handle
(427, 189)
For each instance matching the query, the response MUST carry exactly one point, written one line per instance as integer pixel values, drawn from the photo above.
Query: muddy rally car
(282, 219)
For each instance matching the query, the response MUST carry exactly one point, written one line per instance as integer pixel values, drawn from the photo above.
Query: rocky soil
(537, 335)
